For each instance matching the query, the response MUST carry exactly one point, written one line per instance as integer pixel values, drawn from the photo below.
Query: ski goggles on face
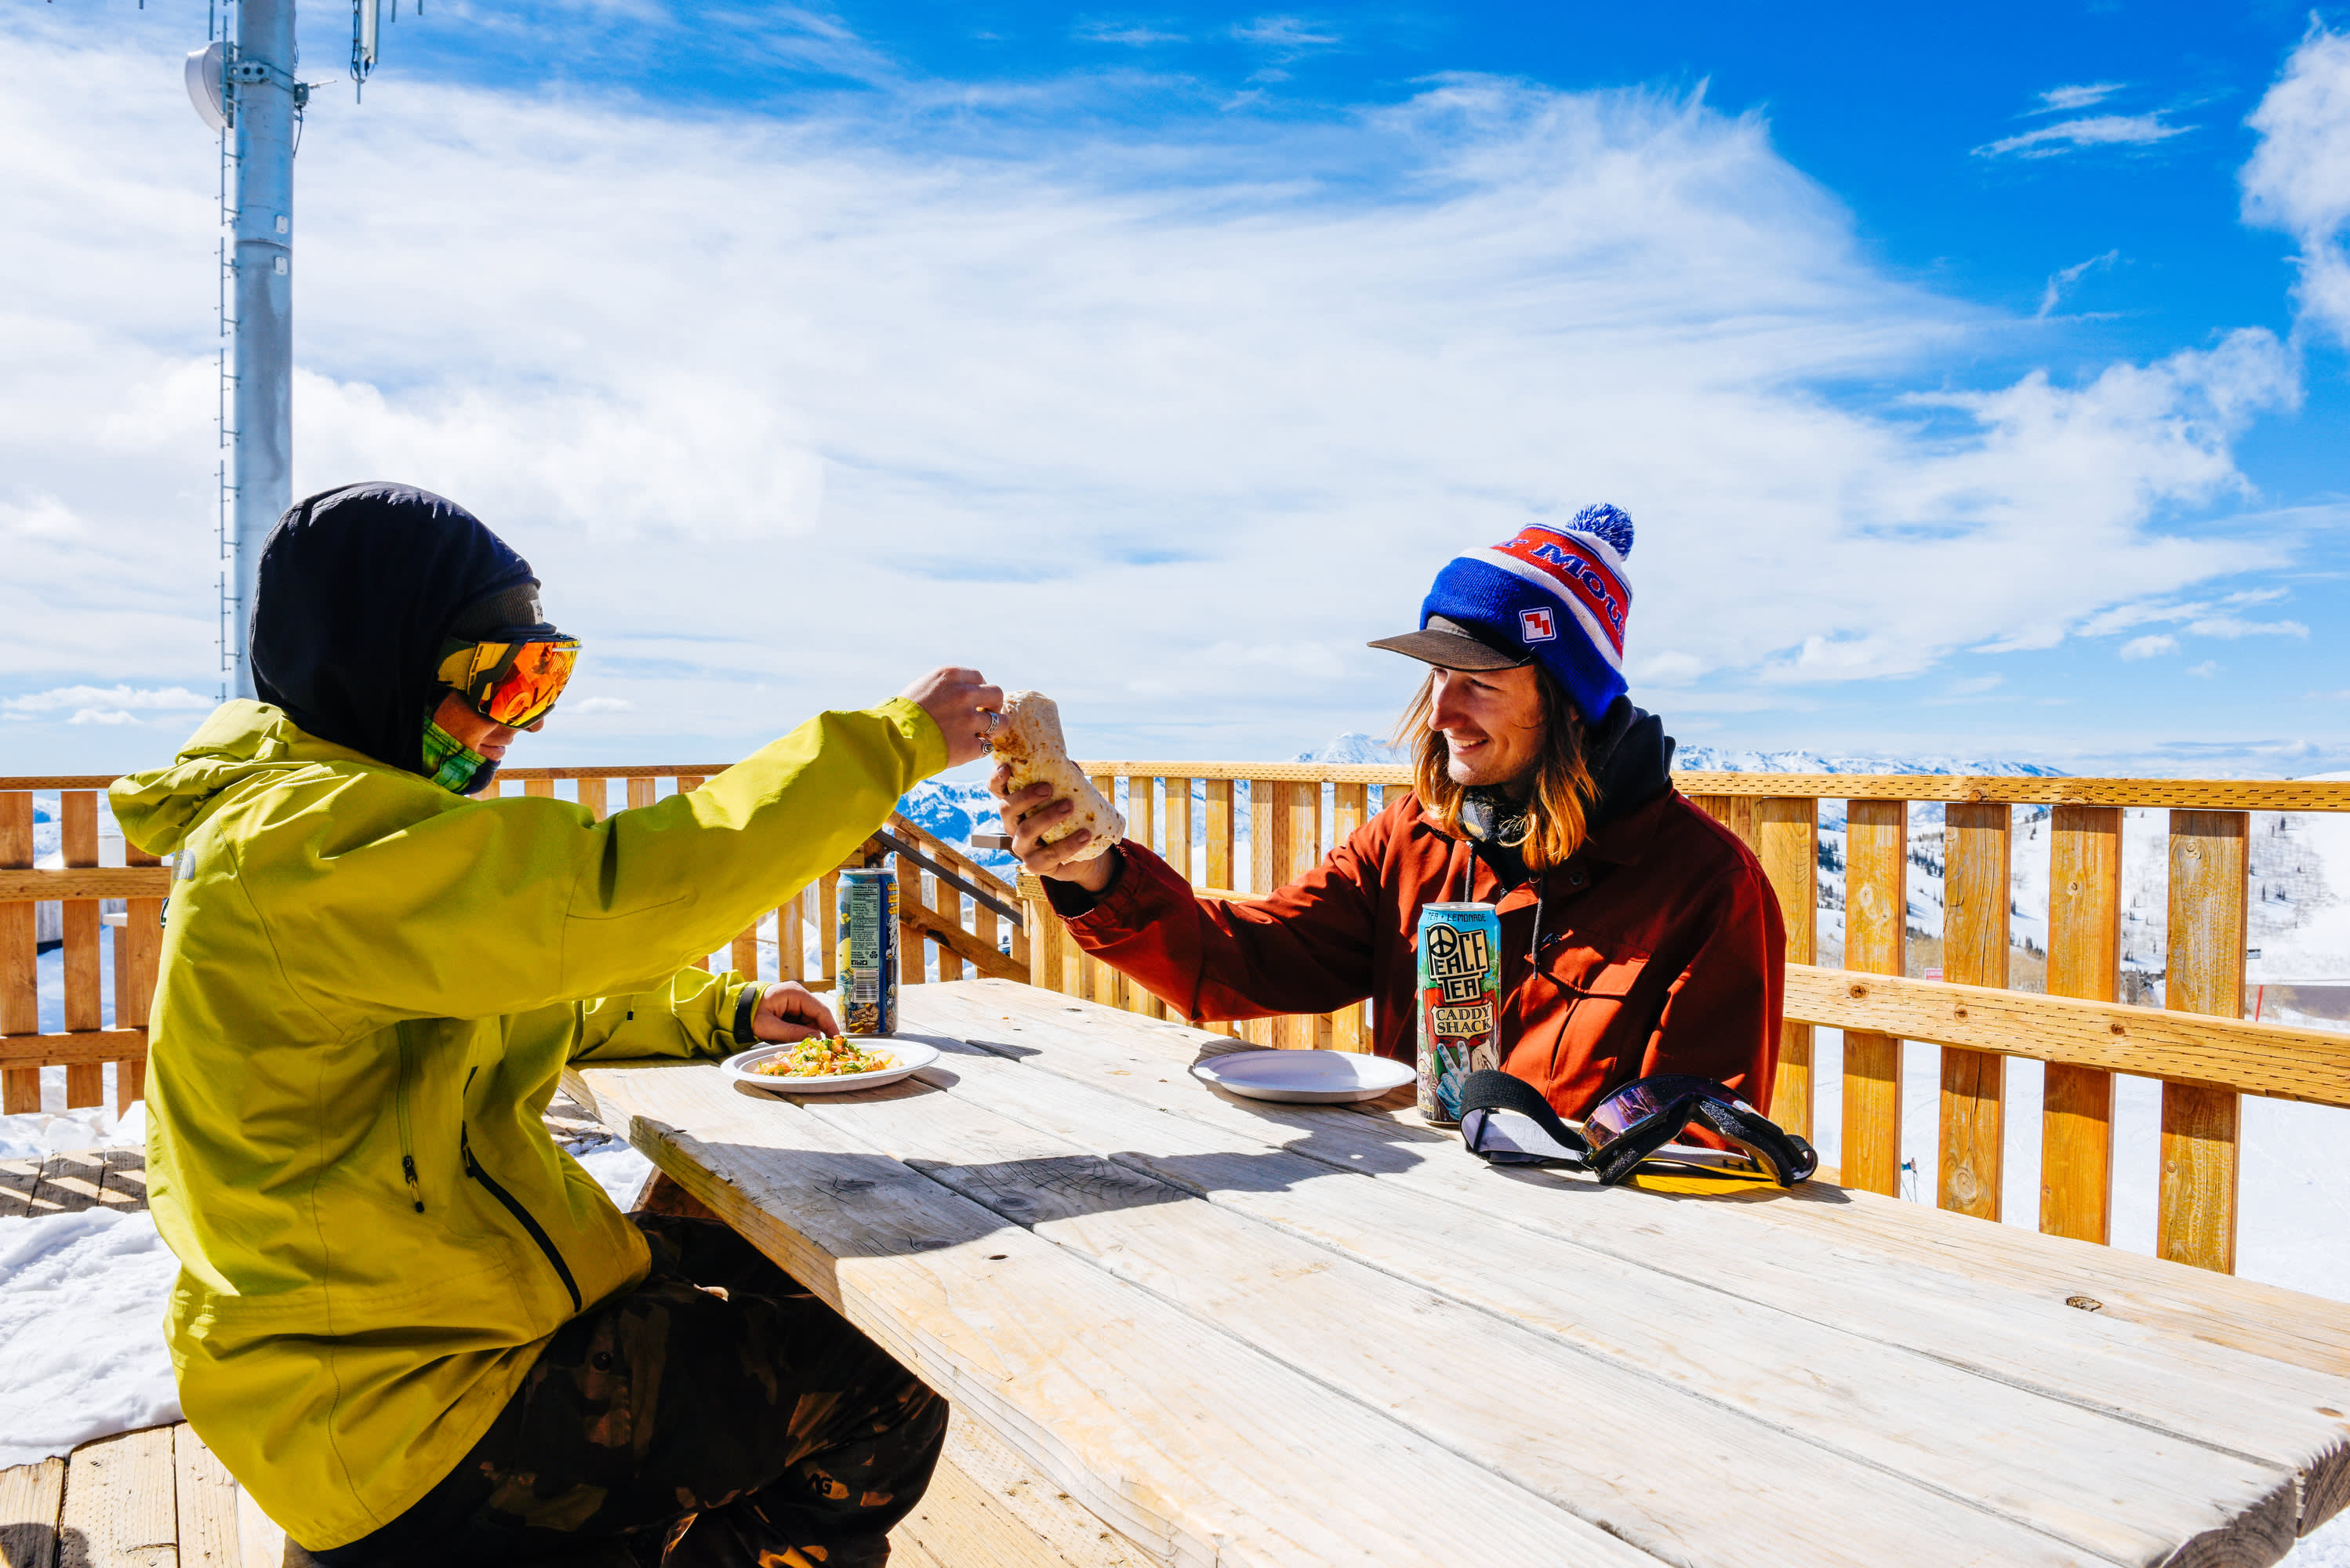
(1635, 1121)
(514, 676)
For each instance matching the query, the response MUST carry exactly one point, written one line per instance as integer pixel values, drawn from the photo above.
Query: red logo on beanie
(1537, 625)
(1579, 571)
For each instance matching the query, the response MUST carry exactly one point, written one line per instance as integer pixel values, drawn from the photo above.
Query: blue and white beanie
(1555, 596)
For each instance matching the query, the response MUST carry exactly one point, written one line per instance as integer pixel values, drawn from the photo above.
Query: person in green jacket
(407, 1321)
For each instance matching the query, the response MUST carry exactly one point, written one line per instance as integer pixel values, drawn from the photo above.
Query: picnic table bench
(1243, 1333)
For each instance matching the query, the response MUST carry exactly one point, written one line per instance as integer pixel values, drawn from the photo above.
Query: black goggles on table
(1505, 1121)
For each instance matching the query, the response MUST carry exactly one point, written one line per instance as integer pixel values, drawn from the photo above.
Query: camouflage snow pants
(675, 1426)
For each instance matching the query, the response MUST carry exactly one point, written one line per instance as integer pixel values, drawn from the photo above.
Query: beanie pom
(1610, 524)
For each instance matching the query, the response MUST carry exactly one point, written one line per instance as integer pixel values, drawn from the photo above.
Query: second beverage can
(865, 965)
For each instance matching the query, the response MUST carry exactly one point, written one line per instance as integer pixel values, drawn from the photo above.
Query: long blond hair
(1559, 807)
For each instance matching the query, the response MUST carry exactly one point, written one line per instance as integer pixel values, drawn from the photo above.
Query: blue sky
(1958, 365)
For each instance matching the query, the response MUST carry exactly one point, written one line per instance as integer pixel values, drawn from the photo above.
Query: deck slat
(121, 1500)
(31, 1496)
(206, 1504)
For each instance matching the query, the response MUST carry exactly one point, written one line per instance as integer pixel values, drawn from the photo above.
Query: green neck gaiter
(452, 764)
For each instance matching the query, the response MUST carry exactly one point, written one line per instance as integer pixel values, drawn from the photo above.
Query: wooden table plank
(2135, 1359)
(1175, 1434)
(2266, 1320)
(1987, 1471)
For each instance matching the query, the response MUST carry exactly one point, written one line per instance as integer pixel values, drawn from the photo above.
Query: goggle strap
(1489, 1096)
(1492, 1102)
(1792, 1157)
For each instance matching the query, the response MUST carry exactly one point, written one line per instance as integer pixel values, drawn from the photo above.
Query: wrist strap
(746, 1008)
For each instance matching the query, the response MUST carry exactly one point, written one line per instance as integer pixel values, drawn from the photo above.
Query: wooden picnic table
(1253, 1333)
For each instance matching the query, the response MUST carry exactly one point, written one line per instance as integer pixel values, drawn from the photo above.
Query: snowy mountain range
(2298, 927)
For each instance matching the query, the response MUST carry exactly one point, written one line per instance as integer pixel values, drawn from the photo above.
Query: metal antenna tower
(243, 84)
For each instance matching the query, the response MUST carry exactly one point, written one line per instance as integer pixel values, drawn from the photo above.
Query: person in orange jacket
(1639, 935)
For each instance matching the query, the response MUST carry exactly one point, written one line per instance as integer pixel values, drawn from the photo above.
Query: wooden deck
(157, 1499)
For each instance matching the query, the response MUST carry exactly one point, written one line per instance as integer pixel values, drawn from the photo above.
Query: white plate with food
(834, 1066)
(1305, 1077)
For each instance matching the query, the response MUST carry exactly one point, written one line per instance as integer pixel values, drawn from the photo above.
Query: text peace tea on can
(1459, 952)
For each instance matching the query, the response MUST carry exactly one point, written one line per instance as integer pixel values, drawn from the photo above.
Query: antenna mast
(243, 85)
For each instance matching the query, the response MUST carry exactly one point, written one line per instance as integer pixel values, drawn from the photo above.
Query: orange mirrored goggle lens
(516, 683)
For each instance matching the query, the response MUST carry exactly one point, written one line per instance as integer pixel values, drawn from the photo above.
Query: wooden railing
(2198, 1044)
(954, 929)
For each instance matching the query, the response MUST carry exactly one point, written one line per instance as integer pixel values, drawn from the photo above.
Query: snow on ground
(82, 1330)
(81, 1311)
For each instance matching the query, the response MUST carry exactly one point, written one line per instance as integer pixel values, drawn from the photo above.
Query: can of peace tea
(865, 965)
(1460, 1002)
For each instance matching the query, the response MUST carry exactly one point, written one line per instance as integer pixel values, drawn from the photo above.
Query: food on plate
(819, 1057)
(1029, 738)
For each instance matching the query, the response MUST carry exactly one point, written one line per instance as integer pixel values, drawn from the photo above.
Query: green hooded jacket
(369, 988)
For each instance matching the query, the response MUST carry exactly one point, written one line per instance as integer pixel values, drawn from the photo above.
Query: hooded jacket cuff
(929, 744)
(739, 1032)
(1072, 901)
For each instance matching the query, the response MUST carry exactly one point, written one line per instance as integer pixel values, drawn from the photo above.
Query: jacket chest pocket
(1581, 969)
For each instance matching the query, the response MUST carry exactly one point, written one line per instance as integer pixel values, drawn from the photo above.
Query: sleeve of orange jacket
(1720, 1018)
(1306, 948)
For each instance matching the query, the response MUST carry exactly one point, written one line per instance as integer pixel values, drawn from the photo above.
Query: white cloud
(2090, 130)
(784, 409)
(2065, 100)
(2147, 647)
(1134, 34)
(1974, 685)
(176, 699)
(103, 716)
(601, 705)
(2206, 669)
(2234, 627)
(2065, 278)
(2298, 178)
(1284, 33)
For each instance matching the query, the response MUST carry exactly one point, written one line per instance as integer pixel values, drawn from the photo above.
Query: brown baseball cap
(1449, 645)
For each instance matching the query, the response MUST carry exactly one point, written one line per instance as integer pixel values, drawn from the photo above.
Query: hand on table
(790, 1013)
(963, 705)
(1033, 813)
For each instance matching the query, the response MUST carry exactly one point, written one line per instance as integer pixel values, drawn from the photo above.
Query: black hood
(1630, 758)
(358, 588)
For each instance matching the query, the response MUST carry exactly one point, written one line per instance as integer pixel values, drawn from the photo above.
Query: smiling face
(1491, 720)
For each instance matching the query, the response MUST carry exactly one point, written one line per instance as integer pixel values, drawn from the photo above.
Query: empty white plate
(906, 1057)
(1305, 1077)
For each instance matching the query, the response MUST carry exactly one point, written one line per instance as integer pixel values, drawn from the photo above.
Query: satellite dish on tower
(204, 84)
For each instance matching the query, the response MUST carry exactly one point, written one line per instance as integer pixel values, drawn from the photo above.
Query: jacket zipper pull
(415, 1190)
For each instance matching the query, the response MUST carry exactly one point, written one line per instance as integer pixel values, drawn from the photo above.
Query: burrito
(1029, 738)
